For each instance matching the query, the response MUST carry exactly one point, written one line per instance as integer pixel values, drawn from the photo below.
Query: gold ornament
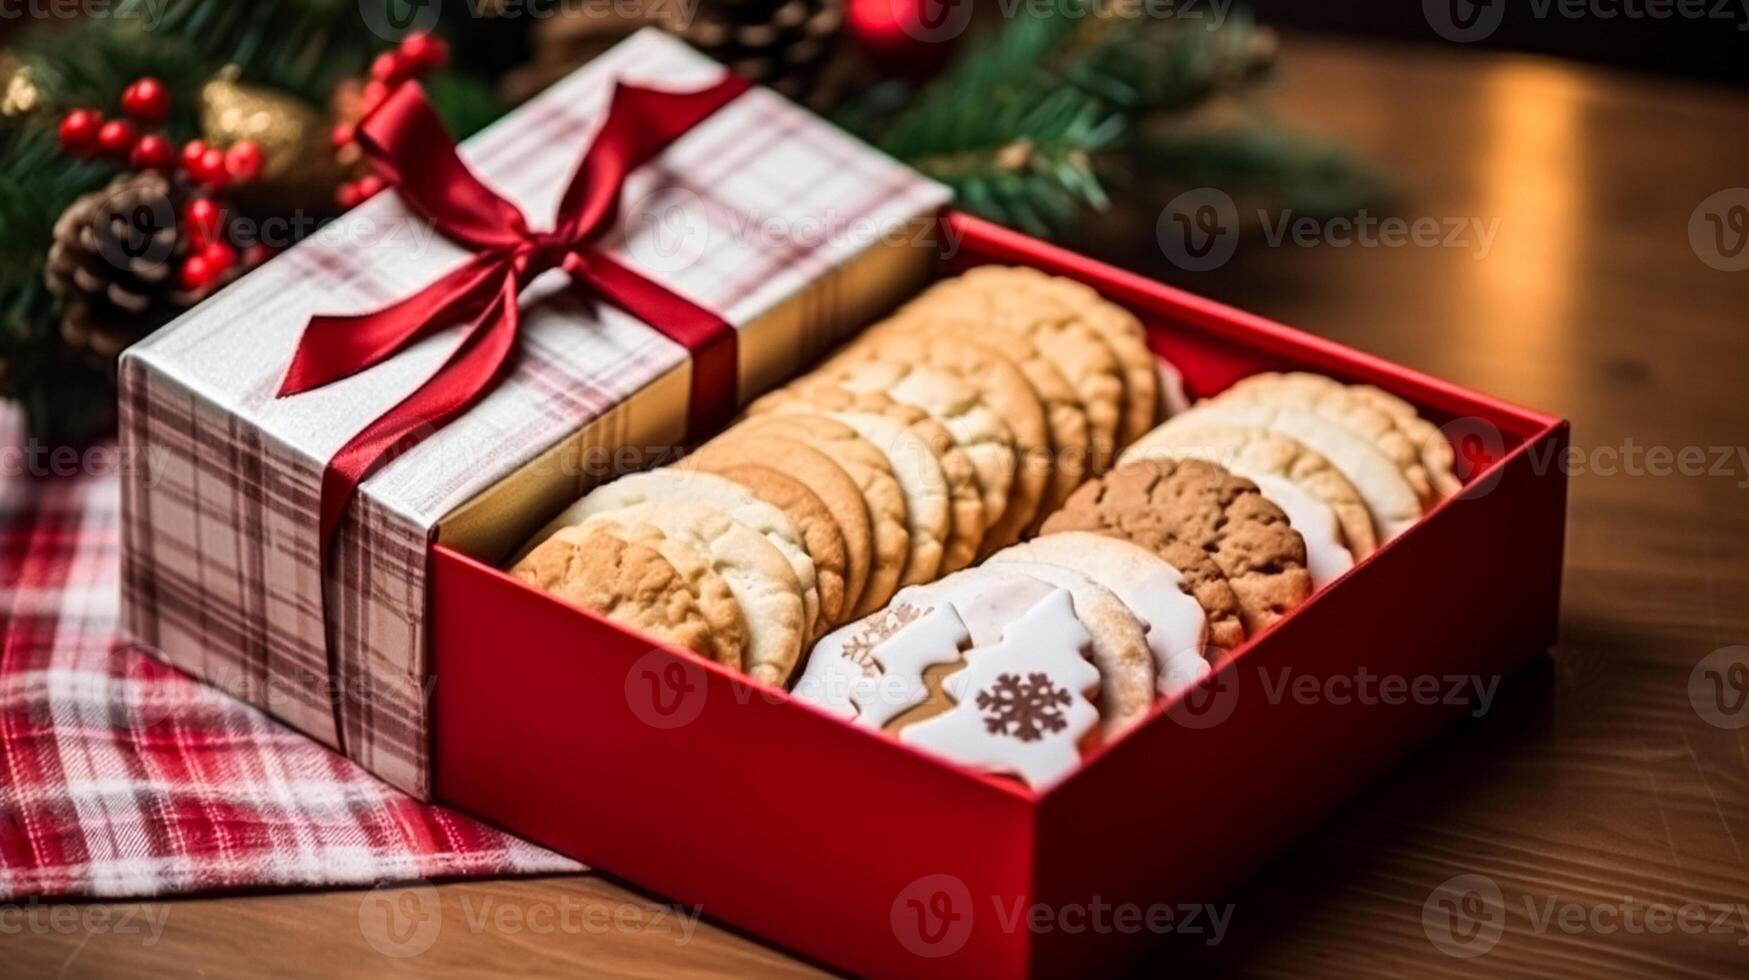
(21, 95)
(298, 166)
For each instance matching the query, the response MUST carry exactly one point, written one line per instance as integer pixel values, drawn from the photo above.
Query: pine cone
(784, 44)
(114, 261)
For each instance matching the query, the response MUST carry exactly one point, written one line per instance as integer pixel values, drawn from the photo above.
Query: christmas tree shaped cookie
(1021, 707)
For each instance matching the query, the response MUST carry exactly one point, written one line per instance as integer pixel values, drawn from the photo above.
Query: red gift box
(661, 767)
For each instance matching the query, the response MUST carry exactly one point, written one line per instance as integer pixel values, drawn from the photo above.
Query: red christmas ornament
(908, 37)
(115, 138)
(202, 218)
(153, 152)
(423, 53)
(192, 152)
(211, 170)
(79, 130)
(244, 161)
(146, 100)
(197, 273)
(219, 256)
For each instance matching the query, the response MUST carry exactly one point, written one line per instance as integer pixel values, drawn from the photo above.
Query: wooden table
(1593, 788)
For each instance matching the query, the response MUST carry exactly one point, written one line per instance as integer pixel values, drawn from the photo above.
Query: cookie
(965, 525)
(1072, 348)
(1127, 674)
(881, 492)
(1116, 326)
(665, 485)
(630, 584)
(1392, 502)
(828, 480)
(1262, 557)
(716, 600)
(1248, 450)
(1176, 628)
(761, 579)
(1004, 388)
(1437, 454)
(1021, 708)
(981, 435)
(1330, 400)
(820, 533)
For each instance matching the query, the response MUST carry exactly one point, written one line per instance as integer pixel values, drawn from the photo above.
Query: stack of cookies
(940, 436)
(971, 530)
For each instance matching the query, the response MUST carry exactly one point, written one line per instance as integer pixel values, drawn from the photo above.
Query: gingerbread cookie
(761, 579)
(826, 478)
(716, 600)
(629, 584)
(873, 473)
(1262, 557)
(665, 485)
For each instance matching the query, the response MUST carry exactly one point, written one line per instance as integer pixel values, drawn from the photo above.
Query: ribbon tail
(335, 347)
(468, 374)
(713, 343)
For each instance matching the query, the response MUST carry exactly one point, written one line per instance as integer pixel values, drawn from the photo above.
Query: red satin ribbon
(410, 147)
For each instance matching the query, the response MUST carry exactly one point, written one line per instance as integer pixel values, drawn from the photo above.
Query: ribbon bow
(411, 148)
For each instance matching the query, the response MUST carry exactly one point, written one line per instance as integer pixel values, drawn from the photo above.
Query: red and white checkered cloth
(122, 777)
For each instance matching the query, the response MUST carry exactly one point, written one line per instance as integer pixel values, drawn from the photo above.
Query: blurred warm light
(1531, 177)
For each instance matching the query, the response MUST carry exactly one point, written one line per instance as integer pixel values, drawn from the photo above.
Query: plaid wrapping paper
(759, 206)
(122, 777)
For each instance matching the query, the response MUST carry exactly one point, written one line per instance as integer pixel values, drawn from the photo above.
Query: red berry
(202, 217)
(388, 68)
(153, 152)
(79, 130)
(115, 138)
(244, 161)
(146, 100)
(197, 273)
(423, 53)
(211, 171)
(347, 195)
(220, 257)
(192, 152)
(342, 135)
(369, 186)
(374, 94)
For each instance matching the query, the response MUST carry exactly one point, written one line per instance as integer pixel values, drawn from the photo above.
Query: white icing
(1326, 556)
(934, 638)
(1042, 652)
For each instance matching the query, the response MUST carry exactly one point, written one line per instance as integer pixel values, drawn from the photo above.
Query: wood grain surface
(1610, 815)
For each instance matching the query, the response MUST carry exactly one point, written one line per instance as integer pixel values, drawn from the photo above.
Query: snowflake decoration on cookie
(1024, 709)
(860, 648)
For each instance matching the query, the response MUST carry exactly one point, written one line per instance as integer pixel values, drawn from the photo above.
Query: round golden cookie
(630, 584)
(1004, 389)
(1334, 401)
(1116, 326)
(825, 477)
(870, 468)
(1270, 452)
(762, 580)
(715, 599)
(979, 434)
(1201, 504)
(821, 535)
(965, 495)
(1070, 461)
(1075, 350)
(1437, 454)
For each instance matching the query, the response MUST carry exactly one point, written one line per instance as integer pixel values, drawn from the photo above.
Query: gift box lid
(760, 208)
